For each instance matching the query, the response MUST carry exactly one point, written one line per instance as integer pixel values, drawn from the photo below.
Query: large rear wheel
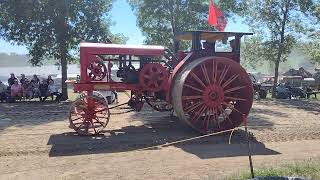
(212, 94)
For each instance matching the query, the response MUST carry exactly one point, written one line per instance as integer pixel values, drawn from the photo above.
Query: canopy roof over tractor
(210, 36)
(120, 49)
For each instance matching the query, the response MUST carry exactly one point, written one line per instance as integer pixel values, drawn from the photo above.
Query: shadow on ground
(31, 113)
(158, 129)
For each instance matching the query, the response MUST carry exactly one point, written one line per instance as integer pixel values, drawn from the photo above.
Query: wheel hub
(213, 96)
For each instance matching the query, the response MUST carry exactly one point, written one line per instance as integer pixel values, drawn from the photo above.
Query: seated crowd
(28, 89)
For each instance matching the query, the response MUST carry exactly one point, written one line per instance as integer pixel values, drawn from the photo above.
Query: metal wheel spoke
(95, 131)
(104, 109)
(223, 74)
(100, 117)
(77, 118)
(232, 108)
(235, 98)
(191, 97)
(206, 121)
(98, 121)
(194, 88)
(197, 79)
(87, 128)
(81, 124)
(198, 115)
(82, 107)
(216, 117)
(230, 80)
(225, 116)
(193, 107)
(214, 72)
(234, 89)
(205, 74)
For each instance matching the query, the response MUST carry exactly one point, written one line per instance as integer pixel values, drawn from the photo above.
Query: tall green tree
(279, 22)
(52, 29)
(159, 21)
(311, 47)
(252, 52)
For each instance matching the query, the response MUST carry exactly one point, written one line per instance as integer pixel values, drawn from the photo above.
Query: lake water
(42, 72)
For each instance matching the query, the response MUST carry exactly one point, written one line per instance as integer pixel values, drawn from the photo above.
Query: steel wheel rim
(223, 81)
(89, 115)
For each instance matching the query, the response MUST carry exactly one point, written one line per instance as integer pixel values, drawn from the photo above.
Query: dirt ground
(36, 143)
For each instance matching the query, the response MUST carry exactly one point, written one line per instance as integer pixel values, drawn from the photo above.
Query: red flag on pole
(216, 17)
(212, 20)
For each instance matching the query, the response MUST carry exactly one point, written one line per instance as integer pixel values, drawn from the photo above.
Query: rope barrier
(190, 139)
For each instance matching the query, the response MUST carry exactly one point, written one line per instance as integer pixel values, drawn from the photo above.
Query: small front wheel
(89, 115)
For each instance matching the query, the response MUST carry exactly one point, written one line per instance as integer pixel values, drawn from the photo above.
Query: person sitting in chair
(43, 87)
(11, 79)
(16, 90)
(3, 92)
(53, 91)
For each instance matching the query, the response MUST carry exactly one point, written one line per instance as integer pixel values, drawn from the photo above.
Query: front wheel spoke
(234, 89)
(82, 107)
(98, 121)
(94, 128)
(194, 88)
(191, 97)
(81, 125)
(77, 118)
(100, 117)
(197, 79)
(87, 128)
(230, 80)
(101, 110)
(234, 98)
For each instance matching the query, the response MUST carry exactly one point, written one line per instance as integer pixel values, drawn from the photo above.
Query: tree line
(54, 28)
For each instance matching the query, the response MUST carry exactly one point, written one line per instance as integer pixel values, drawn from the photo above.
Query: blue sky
(125, 23)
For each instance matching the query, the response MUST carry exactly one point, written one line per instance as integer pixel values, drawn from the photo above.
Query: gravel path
(37, 144)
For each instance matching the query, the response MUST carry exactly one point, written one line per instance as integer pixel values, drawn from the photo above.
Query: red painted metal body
(194, 83)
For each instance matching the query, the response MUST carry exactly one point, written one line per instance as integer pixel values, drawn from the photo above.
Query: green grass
(306, 169)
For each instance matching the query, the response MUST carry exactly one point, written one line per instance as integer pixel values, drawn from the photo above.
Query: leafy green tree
(252, 52)
(279, 22)
(53, 29)
(159, 21)
(311, 47)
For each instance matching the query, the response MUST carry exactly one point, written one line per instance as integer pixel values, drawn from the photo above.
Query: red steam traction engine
(207, 89)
